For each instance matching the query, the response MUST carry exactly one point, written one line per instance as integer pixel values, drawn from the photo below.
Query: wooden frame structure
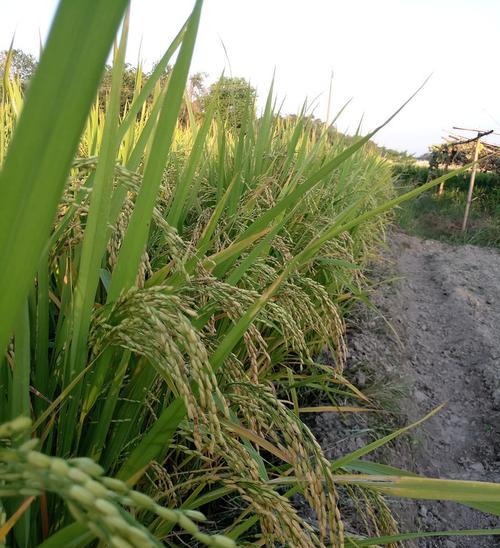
(457, 141)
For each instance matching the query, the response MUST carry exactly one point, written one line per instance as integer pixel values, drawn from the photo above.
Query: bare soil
(435, 338)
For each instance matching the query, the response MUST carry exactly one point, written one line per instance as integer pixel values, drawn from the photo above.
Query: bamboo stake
(441, 185)
(471, 184)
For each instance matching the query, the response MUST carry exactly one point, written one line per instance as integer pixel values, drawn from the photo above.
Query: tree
(128, 85)
(22, 66)
(234, 97)
(194, 94)
(196, 86)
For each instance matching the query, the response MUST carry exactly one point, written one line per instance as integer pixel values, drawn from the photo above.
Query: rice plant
(167, 287)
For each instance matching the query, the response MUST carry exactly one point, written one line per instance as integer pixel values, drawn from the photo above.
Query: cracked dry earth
(442, 346)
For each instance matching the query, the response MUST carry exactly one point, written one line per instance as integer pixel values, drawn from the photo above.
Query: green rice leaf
(46, 137)
(137, 233)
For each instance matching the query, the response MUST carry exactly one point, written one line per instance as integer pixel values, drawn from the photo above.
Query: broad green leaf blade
(45, 141)
(374, 468)
(418, 487)
(95, 238)
(137, 233)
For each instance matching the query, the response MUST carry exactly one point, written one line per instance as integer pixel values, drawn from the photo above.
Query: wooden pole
(441, 185)
(471, 184)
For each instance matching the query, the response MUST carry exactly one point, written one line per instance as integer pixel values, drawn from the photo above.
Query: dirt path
(445, 309)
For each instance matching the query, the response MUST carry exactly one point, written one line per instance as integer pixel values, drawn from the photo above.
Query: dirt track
(445, 310)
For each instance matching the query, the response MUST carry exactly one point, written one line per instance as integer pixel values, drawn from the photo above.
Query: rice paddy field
(167, 288)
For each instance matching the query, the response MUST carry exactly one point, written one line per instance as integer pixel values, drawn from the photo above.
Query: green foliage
(411, 173)
(128, 87)
(451, 153)
(395, 155)
(440, 216)
(22, 65)
(234, 100)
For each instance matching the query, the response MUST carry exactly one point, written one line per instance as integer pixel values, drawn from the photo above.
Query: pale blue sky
(379, 51)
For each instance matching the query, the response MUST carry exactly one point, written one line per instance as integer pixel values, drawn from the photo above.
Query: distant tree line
(231, 94)
(234, 97)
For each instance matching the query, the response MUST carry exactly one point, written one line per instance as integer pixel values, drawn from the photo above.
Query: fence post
(471, 185)
(441, 185)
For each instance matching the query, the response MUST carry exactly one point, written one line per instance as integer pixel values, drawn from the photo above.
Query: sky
(379, 52)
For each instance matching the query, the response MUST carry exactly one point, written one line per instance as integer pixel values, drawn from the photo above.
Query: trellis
(459, 150)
